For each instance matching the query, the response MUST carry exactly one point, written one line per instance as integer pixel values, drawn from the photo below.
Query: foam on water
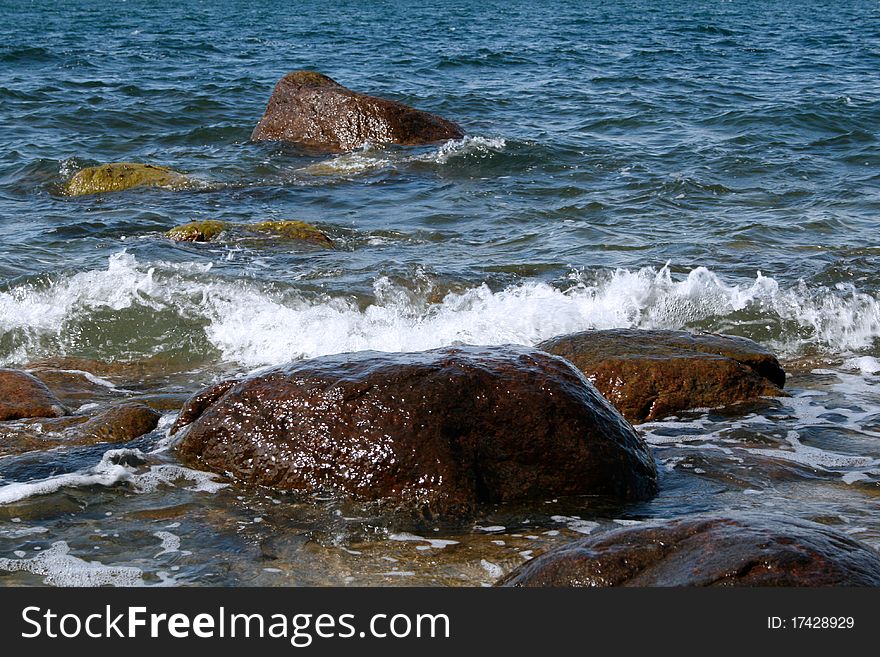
(115, 468)
(370, 158)
(170, 543)
(259, 325)
(432, 542)
(61, 568)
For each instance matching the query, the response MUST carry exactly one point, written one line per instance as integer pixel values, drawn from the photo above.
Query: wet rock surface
(207, 231)
(730, 550)
(648, 375)
(120, 176)
(438, 432)
(119, 423)
(313, 110)
(22, 396)
(198, 231)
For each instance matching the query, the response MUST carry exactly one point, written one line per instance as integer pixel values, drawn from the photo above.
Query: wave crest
(258, 324)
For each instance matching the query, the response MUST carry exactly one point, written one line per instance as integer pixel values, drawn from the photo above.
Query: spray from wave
(369, 158)
(258, 324)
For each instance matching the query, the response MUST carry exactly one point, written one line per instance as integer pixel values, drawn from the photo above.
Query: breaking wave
(257, 324)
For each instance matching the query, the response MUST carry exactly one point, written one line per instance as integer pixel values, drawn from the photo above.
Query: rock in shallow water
(733, 550)
(205, 231)
(23, 395)
(315, 111)
(120, 176)
(119, 423)
(648, 375)
(197, 231)
(438, 432)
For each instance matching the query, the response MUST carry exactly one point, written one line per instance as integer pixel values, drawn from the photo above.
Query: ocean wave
(257, 324)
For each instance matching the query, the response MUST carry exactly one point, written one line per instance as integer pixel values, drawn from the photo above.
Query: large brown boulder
(648, 375)
(437, 432)
(731, 550)
(312, 110)
(23, 395)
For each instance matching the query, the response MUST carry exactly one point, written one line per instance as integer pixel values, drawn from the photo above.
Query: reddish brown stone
(118, 424)
(648, 375)
(439, 432)
(734, 550)
(312, 110)
(23, 395)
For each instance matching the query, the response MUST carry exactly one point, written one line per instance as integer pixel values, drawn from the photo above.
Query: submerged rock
(648, 375)
(197, 231)
(205, 231)
(439, 432)
(23, 395)
(733, 550)
(315, 111)
(116, 424)
(293, 230)
(123, 175)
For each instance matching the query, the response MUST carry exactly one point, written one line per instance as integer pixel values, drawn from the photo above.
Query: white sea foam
(370, 158)
(170, 542)
(257, 325)
(61, 568)
(437, 543)
(815, 457)
(492, 569)
(114, 468)
(468, 145)
(576, 524)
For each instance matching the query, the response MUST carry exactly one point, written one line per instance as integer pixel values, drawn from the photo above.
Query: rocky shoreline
(447, 434)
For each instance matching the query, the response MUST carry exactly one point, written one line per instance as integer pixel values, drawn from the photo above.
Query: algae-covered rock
(293, 230)
(197, 231)
(205, 231)
(123, 175)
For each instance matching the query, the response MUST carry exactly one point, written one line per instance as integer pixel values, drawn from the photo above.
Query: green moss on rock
(123, 175)
(293, 230)
(197, 231)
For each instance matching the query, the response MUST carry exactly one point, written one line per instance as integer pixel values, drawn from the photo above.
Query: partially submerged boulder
(745, 549)
(293, 230)
(197, 231)
(205, 231)
(648, 375)
(119, 423)
(22, 395)
(313, 110)
(437, 432)
(120, 176)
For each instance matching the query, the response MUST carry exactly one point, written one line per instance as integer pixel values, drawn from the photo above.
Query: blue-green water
(695, 165)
